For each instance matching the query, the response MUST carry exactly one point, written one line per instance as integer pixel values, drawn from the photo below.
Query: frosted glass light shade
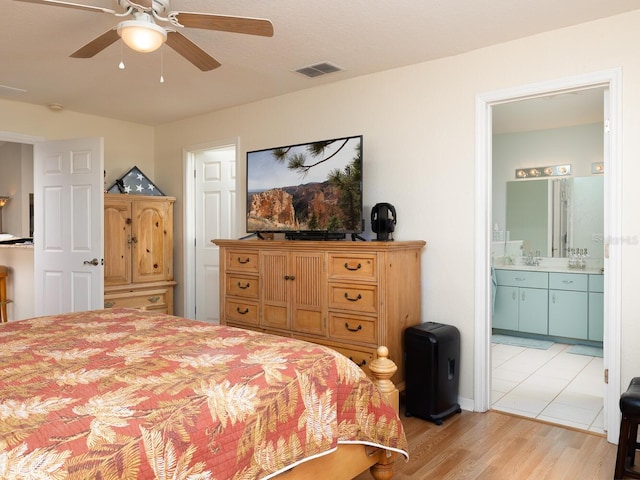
(142, 36)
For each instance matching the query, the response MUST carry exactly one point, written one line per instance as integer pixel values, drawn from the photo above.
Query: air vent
(10, 91)
(318, 69)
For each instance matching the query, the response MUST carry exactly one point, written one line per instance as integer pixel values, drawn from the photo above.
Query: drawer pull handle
(109, 304)
(242, 312)
(567, 282)
(346, 295)
(361, 364)
(244, 261)
(346, 325)
(154, 299)
(353, 269)
(243, 287)
(289, 277)
(520, 279)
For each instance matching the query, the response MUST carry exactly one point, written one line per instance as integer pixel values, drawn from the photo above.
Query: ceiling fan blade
(97, 45)
(191, 51)
(78, 6)
(225, 23)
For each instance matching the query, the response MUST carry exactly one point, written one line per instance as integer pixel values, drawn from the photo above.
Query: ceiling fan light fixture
(142, 36)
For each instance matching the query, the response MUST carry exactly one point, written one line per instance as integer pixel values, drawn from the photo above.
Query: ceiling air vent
(319, 69)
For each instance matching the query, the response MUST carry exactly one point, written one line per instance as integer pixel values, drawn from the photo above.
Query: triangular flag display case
(134, 181)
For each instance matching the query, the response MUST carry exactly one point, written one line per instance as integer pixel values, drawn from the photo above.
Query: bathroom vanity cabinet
(568, 305)
(521, 301)
(558, 304)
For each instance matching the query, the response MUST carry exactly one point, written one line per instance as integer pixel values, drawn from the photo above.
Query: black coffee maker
(383, 221)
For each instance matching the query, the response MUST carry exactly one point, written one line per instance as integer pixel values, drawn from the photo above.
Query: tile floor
(550, 385)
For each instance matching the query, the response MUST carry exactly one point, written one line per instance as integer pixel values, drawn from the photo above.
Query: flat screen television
(306, 191)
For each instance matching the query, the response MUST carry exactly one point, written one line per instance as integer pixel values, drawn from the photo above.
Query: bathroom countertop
(550, 268)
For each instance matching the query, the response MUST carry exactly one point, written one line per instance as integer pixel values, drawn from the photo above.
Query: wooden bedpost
(383, 369)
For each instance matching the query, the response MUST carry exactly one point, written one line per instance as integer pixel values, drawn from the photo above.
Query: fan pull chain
(161, 65)
(121, 64)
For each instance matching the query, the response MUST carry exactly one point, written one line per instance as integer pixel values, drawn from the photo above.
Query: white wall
(579, 146)
(418, 124)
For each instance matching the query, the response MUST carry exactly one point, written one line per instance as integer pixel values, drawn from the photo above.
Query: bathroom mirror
(554, 215)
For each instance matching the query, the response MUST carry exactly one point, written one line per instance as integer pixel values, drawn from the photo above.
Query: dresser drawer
(353, 266)
(352, 328)
(569, 281)
(242, 260)
(157, 299)
(245, 312)
(358, 298)
(242, 286)
(522, 278)
(362, 358)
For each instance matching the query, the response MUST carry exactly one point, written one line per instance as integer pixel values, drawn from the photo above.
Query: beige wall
(125, 144)
(418, 124)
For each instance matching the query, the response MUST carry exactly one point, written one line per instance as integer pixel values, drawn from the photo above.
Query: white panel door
(215, 190)
(68, 226)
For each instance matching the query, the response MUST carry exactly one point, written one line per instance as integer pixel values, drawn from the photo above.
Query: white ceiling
(568, 109)
(362, 36)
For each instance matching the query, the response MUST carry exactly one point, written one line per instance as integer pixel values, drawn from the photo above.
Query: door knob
(95, 262)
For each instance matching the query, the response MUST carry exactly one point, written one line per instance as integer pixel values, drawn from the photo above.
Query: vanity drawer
(352, 328)
(522, 278)
(245, 312)
(352, 266)
(242, 286)
(568, 281)
(242, 260)
(596, 283)
(358, 298)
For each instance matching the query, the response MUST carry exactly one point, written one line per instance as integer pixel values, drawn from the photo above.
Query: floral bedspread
(127, 394)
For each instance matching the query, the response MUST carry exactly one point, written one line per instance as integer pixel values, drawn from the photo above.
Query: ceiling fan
(143, 33)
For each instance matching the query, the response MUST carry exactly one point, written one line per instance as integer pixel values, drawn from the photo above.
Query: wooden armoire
(138, 252)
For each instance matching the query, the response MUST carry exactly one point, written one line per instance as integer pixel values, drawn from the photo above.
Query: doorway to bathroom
(607, 82)
(548, 223)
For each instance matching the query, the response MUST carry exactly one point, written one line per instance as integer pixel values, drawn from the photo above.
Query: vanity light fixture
(551, 171)
(597, 168)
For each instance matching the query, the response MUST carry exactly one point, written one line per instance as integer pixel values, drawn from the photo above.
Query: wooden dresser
(138, 252)
(351, 296)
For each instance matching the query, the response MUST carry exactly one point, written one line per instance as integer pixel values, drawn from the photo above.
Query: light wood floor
(499, 446)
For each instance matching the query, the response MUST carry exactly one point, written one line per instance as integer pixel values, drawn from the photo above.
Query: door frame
(189, 233)
(612, 79)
